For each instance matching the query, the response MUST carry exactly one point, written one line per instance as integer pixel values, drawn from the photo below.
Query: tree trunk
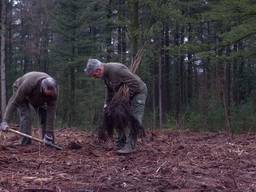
(177, 80)
(154, 102)
(3, 77)
(45, 33)
(72, 95)
(121, 46)
(166, 68)
(227, 94)
(160, 92)
(9, 41)
(108, 31)
(134, 27)
(226, 97)
(189, 69)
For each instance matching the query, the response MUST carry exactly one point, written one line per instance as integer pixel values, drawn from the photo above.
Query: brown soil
(165, 161)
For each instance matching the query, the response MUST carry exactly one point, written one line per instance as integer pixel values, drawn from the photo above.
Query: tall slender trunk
(72, 84)
(3, 75)
(72, 95)
(226, 97)
(108, 30)
(160, 92)
(45, 33)
(166, 83)
(204, 95)
(227, 90)
(154, 102)
(121, 46)
(189, 69)
(134, 16)
(177, 80)
(9, 43)
(182, 73)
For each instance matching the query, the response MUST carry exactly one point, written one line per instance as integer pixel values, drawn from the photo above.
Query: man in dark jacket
(39, 90)
(115, 75)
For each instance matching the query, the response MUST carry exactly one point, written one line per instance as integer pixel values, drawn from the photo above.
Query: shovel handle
(34, 138)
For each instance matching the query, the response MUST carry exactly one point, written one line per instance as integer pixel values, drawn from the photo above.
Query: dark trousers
(25, 120)
(137, 109)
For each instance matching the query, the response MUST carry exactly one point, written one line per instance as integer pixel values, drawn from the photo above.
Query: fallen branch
(158, 169)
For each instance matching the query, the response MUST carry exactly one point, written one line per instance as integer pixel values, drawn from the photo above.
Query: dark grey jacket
(27, 89)
(117, 74)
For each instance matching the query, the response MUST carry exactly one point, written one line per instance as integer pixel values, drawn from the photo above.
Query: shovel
(34, 138)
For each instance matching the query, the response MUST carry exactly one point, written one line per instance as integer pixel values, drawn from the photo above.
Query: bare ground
(166, 161)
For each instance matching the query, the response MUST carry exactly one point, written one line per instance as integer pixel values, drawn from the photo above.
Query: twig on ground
(158, 169)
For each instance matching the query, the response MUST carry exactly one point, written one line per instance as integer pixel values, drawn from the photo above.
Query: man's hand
(48, 139)
(4, 126)
(105, 108)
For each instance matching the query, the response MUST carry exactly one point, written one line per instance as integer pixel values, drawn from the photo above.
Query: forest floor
(165, 161)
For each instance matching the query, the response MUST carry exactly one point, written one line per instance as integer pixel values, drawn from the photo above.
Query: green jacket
(27, 89)
(117, 74)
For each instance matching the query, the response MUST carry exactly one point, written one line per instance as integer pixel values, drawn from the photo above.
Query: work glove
(4, 126)
(105, 107)
(48, 140)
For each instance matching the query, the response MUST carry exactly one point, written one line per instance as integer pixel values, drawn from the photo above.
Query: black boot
(129, 147)
(120, 142)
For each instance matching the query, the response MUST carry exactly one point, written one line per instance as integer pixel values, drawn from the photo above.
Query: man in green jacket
(115, 75)
(39, 90)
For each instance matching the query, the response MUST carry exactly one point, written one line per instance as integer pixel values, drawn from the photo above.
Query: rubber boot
(121, 141)
(129, 147)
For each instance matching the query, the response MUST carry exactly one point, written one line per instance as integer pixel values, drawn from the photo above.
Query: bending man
(115, 75)
(39, 90)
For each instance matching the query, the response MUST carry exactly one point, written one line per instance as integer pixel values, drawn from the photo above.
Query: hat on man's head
(92, 65)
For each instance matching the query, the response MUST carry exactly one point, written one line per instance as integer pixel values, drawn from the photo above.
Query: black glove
(48, 140)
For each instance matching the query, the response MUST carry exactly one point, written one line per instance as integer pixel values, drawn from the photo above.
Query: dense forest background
(199, 58)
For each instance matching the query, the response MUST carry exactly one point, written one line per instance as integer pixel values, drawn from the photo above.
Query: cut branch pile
(136, 61)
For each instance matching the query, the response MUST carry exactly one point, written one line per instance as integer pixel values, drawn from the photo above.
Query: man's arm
(19, 94)
(51, 114)
(108, 95)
